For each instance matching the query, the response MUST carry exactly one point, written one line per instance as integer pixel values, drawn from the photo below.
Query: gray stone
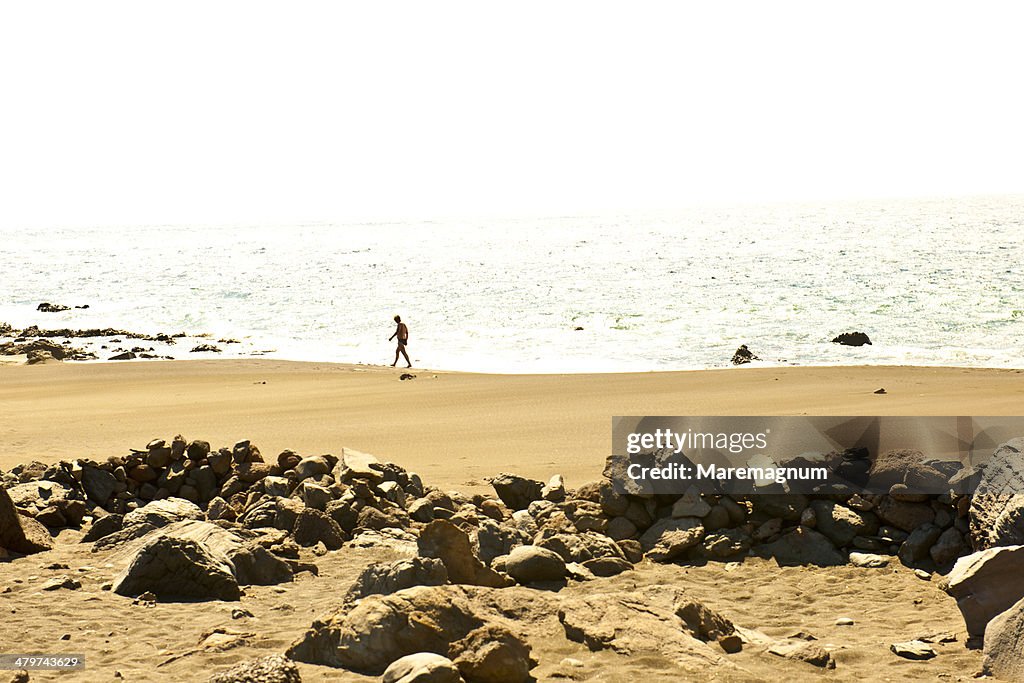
(690, 504)
(868, 560)
(98, 484)
(669, 538)
(906, 516)
(313, 526)
(918, 543)
(422, 667)
(355, 464)
(948, 547)
(997, 509)
(1004, 643)
(838, 523)
(443, 540)
(312, 466)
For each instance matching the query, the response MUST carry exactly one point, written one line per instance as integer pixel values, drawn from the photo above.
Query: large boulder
(18, 533)
(997, 508)
(837, 522)
(98, 484)
(380, 629)
(669, 538)
(986, 583)
(852, 339)
(195, 560)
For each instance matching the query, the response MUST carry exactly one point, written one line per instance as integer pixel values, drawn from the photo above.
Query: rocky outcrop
(20, 534)
(852, 339)
(1004, 644)
(997, 508)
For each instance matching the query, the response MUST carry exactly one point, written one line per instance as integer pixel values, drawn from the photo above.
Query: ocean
(932, 282)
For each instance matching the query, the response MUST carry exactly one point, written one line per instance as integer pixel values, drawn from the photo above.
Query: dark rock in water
(47, 307)
(743, 355)
(517, 492)
(127, 355)
(852, 339)
(271, 669)
(204, 348)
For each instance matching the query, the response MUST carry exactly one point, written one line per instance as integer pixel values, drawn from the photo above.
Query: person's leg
(408, 362)
(397, 350)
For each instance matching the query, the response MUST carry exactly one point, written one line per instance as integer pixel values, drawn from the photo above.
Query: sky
(127, 113)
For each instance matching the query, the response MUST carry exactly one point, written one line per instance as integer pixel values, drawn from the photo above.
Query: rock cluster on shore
(181, 520)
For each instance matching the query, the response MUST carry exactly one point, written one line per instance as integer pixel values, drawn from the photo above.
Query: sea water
(932, 282)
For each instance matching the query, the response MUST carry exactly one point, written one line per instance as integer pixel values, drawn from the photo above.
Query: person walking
(402, 332)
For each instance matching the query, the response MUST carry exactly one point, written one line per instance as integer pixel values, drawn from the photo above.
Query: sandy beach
(452, 428)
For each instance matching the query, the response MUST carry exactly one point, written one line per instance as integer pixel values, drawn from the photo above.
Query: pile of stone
(182, 520)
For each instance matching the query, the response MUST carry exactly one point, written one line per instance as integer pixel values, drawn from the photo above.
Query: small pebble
(923, 575)
(844, 621)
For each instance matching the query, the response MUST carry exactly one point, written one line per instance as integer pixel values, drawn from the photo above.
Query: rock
(387, 578)
(554, 491)
(38, 357)
(803, 651)
(725, 544)
(252, 472)
(443, 540)
(98, 484)
(997, 508)
(357, 465)
(581, 547)
(641, 624)
(313, 526)
(20, 534)
(160, 513)
(703, 622)
(517, 492)
(788, 507)
(838, 523)
(313, 466)
(948, 547)
(620, 528)
(421, 510)
(669, 538)
(198, 450)
(315, 496)
(690, 504)
(494, 654)
(986, 583)
(218, 508)
(203, 348)
(802, 546)
(844, 621)
(59, 582)
(868, 560)
(422, 667)
(178, 568)
(1003, 644)
(607, 566)
(47, 307)
(531, 564)
(270, 669)
(276, 486)
(380, 629)
(918, 543)
(906, 516)
(852, 339)
(103, 526)
(913, 649)
(743, 355)
(287, 460)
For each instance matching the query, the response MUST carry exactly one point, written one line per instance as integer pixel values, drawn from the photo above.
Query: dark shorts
(402, 342)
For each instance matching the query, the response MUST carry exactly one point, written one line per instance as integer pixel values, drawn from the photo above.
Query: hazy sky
(224, 112)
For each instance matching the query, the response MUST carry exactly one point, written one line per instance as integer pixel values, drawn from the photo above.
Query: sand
(454, 429)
